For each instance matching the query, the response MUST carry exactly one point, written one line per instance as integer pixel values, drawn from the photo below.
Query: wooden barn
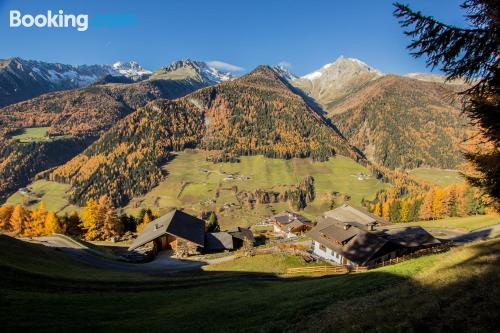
(173, 230)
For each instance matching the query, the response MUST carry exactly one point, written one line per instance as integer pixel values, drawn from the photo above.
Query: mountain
(76, 117)
(132, 70)
(400, 122)
(428, 77)
(23, 79)
(335, 81)
(256, 114)
(284, 73)
(191, 69)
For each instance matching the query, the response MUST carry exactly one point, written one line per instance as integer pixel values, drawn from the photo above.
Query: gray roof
(219, 241)
(242, 233)
(176, 223)
(414, 236)
(335, 230)
(288, 217)
(360, 245)
(357, 245)
(347, 213)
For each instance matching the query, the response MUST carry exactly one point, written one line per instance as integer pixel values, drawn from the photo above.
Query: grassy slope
(247, 304)
(51, 193)
(459, 293)
(266, 263)
(30, 134)
(437, 176)
(187, 186)
(467, 223)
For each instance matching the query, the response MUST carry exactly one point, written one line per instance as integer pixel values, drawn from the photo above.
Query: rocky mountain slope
(335, 81)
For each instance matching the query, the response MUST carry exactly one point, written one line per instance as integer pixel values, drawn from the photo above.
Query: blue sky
(305, 34)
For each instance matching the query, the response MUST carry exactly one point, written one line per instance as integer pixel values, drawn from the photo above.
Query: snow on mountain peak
(284, 72)
(341, 65)
(210, 74)
(130, 69)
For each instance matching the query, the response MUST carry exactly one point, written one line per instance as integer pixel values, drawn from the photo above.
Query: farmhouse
(181, 229)
(290, 224)
(363, 240)
(173, 230)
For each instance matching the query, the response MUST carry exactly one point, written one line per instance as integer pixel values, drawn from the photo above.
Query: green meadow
(437, 176)
(196, 185)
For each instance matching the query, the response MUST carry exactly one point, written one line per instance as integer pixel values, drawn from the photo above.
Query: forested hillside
(404, 123)
(76, 117)
(256, 114)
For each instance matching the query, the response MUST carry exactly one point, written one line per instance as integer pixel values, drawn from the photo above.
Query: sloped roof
(413, 236)
(242, 233)
(347, 213)
(335, 229)
(359, 246)
(289, 217)
(176, 223)
(219, 241)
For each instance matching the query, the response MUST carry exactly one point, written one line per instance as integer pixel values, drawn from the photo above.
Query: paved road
(163, 263)
(478, 234)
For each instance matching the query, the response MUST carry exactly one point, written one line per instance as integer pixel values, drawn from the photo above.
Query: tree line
(455, 200)
(97, 220)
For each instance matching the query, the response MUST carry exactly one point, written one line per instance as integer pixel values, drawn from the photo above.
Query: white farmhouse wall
(328, 254)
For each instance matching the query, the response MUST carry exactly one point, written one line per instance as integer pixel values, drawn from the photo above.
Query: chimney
(346, 226)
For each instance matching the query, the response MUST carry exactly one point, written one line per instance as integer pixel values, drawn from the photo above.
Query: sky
(305, 35)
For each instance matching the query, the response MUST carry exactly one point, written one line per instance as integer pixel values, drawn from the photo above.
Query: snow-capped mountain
(341, 69)
(198, 70)
(23, 79)
(131, 69)
(335, 80)
(285, 73)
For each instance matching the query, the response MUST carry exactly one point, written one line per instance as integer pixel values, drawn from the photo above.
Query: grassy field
(51, 193)
(437, 176)
(266, 263)
(457, 290)
(197, 185)
(466, 223)
(32, 134)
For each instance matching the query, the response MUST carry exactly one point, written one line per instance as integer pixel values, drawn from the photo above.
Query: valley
(198, 185)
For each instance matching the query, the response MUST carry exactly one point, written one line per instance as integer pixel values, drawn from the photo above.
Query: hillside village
(270, 184)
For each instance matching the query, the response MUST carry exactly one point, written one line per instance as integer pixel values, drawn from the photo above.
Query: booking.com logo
(80, 22)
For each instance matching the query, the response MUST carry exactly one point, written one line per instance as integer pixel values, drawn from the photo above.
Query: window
(322, 247)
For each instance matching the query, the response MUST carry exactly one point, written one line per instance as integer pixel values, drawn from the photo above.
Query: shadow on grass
(461, 294)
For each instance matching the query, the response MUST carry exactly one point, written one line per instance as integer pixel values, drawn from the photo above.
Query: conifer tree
(427, 204)
(52, 224)
(474, 55)
(438, 208)
(5, 214)
(18, 220)
(90, 222)
(35, 225)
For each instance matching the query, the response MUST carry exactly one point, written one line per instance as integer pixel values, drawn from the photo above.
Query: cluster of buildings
(353, 237)
(344, 235)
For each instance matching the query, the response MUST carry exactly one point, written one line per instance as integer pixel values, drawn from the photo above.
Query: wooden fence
(331, 270)
(318, 269)
(420, 253)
